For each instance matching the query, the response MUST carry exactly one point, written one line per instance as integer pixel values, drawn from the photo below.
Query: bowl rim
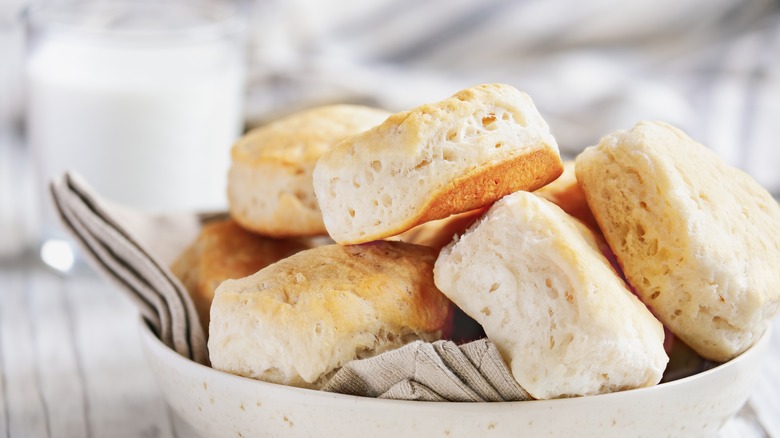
(152, 342)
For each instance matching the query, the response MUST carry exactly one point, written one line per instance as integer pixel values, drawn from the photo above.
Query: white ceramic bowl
(218, 404)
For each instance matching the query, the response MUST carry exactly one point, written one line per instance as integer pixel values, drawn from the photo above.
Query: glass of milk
(142, 98)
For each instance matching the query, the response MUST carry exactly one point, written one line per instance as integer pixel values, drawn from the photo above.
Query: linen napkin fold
(133, 250)
(438, 371)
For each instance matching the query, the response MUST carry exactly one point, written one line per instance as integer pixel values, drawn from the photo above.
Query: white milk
(149, 123)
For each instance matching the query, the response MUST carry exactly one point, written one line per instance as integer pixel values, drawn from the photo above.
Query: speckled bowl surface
(218, 404)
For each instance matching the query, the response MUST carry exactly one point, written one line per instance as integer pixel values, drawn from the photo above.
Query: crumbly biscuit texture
(270, 179)
(560, 315)
(698, 239)
(427, 163)
(299, 320)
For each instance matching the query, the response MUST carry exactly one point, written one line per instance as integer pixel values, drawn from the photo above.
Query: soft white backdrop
(708, 66)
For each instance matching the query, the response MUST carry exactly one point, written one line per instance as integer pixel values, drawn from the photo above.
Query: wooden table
(71, 363)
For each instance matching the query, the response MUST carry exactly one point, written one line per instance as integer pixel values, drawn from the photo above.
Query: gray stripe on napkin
(150, 304)
(116, 235)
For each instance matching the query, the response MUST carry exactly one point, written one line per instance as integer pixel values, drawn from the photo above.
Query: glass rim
(221, 18)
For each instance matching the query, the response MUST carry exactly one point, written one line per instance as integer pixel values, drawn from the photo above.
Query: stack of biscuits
(572, 269)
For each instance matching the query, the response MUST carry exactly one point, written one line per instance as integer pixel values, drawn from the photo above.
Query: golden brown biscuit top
(229, 251)
(302, 137)
(333, 283)
(411, 130)
(223, 251)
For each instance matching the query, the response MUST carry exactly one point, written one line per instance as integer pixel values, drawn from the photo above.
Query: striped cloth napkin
(133, 251)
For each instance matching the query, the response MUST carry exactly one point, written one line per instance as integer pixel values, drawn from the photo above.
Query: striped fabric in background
(711, 67)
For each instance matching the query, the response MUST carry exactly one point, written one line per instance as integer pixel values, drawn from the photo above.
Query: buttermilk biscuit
(562, 318)
(433, 161)
(299, 320)
(436, 234)
(566, 193)
(699, 240)
(269, 183)
(222, 251)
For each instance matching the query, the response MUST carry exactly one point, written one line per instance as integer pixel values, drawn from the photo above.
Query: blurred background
(710, 67)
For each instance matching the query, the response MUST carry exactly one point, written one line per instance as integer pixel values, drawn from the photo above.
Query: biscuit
(222, 251)
(269, 182)
(438, 233)
(698, 239)
(299, 320)
(456, 155)
(564, 321)
(566, 193)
